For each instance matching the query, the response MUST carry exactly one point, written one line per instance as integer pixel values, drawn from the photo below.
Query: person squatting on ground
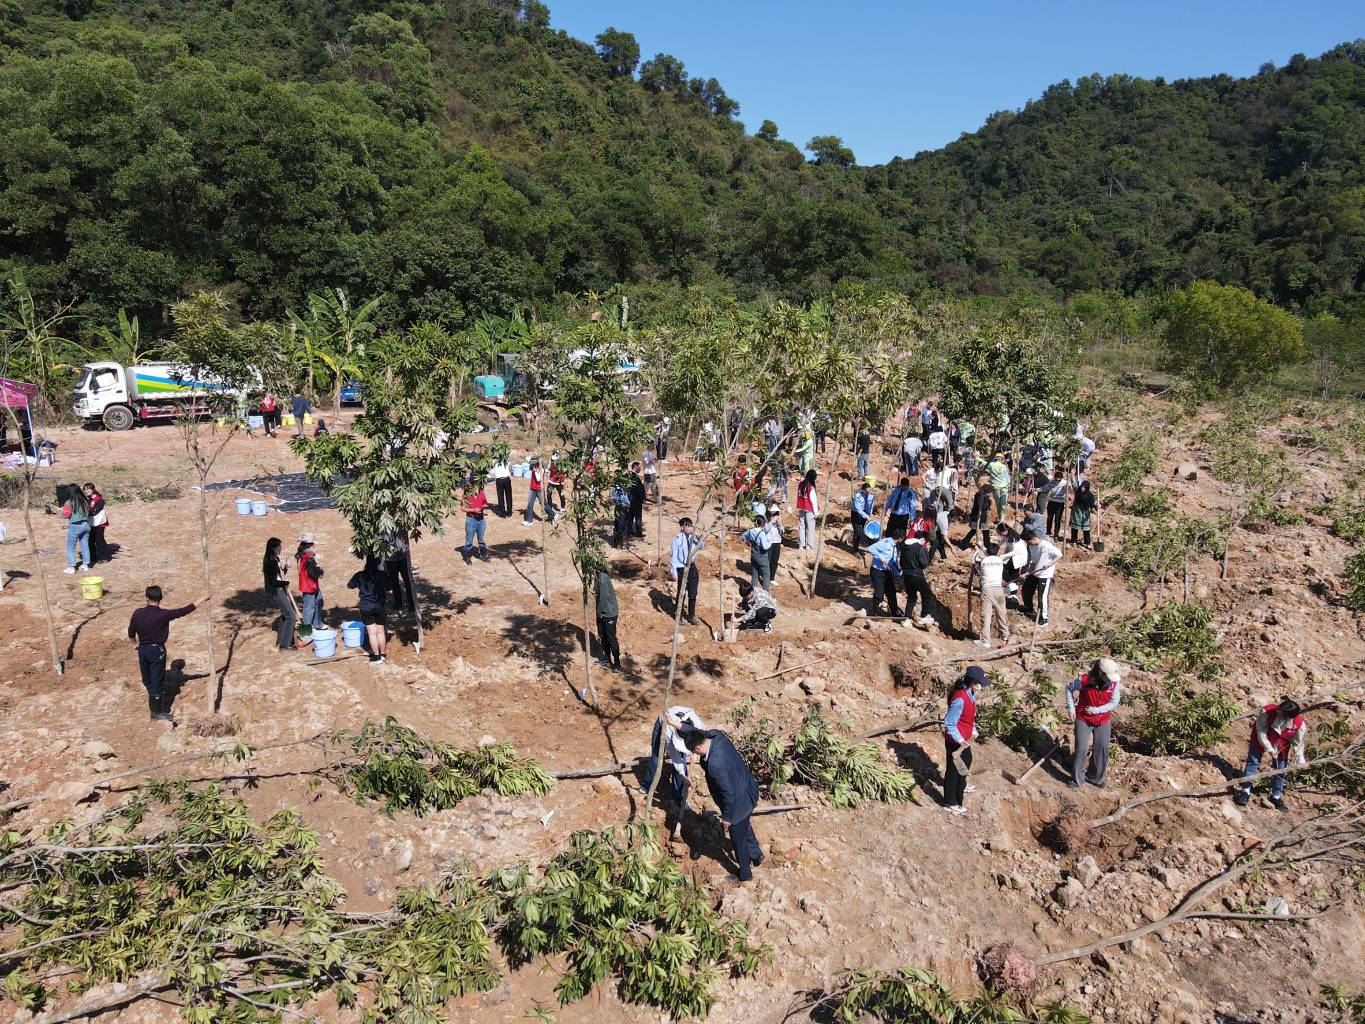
(310, 582)
(682, 567)
(475, 521)
(759, 540)
(757, 608)
(371, 584)
(993, 604)
(607, 613)
(734, 790)
(99, 520)
(674, 758)
(1091, 699)
(150, 630)
(1278, 731)
(863, 510)
(275, 572)
(807, 509)
(959, 732)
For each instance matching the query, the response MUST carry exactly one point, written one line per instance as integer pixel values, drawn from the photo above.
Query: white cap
(1110, 668)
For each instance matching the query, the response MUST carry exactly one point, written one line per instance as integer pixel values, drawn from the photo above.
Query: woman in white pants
(807, 508)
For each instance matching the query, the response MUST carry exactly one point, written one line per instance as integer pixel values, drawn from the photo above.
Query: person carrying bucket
(372, 583)
(310, 582)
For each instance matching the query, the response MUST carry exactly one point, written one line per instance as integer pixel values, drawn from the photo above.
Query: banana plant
(39, 353)
(125, 345)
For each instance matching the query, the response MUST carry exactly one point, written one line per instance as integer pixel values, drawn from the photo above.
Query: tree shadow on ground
(76, 633)
(553, 643)
(915, 759)
(514, 551)
(840, 583)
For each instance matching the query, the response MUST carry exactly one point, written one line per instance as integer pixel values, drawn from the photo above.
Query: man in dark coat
(636, 491)
(733, 789)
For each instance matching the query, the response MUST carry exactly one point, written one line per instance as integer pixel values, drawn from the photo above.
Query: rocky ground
(878, 886)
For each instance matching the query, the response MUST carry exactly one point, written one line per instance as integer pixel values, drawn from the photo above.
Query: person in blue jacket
(733, 789)
(900, 507)
(863, 511)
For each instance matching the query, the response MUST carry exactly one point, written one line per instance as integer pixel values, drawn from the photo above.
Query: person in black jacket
(637, 501)
(916, 557)
(979, 517)
(607, 613)
(373, 584)
(277, 587)
(733, 789)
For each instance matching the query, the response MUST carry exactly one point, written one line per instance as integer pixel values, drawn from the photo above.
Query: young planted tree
(216, 360)
(394, 472)
(36, 349)
(332, 337)
(600, 431)
(1254, 469)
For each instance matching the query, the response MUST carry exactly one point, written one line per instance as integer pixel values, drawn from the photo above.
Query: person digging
(1278, 730)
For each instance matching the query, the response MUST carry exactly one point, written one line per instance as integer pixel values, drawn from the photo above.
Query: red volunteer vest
(1282, 740)
(966, 725)
(803, 495)
(1092, 697)
(307, 585)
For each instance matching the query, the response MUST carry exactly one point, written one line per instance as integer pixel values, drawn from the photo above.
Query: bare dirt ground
(880, 886)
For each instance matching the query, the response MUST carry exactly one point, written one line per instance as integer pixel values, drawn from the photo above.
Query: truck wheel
(118, 417)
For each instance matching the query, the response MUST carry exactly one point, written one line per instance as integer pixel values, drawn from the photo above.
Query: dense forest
(459, 157)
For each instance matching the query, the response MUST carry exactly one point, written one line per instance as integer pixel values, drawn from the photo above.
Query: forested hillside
(461, 156)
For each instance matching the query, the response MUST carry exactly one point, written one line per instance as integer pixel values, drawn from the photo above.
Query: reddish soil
(879, 886)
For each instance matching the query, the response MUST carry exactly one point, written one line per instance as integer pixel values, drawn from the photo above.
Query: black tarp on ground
(293, 492)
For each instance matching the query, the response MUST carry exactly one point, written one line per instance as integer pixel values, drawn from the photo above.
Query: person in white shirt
(938, 444)
(910, 451)
(502, 482)
(930, 481)
(992, 569)
(947, 488)
(1038, 580)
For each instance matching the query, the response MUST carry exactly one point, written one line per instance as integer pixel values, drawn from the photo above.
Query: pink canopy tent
(18, 394)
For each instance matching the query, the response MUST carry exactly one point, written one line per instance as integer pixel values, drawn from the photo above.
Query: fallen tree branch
(784, 808)
(1214, 788)
(910, 726)
(1006, 652)
(113, 1002)
(794, 668)
(595, 773)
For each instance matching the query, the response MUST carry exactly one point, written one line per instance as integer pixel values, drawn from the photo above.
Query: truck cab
(102, 394)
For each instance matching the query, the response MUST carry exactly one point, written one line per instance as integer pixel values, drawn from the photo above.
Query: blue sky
(898, 76)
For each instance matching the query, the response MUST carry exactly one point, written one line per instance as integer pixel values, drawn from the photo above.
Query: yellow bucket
(287, 420)
(307, 418)
(92, 587)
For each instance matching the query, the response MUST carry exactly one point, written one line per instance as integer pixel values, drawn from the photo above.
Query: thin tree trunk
(587, 648)
(412, 595)
(57, 664)
(720, 575)
(1227, 547)
(824, 514)
(544, 517)
(336, 398)
(214, 696)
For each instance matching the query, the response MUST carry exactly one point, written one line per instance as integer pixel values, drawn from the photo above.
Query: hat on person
(870, 480)
(976, 675)
(535, 460)
(1111, 669)
(307, 538)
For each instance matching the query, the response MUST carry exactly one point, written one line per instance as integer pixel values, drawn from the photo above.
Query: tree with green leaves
(40, 353)
(395, 471)
(829, 150)
(1224, 338)
(331, 337)
(216, 360)
(619, 52)
(600, 432)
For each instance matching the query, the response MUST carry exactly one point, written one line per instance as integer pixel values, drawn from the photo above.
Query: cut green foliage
(911, 996)
(1176, 637)
(846, 772)
(1328, 737)
(1355, 582)
(1347, 516)
(1138, 460)
(411, 772)
(1151, 504)
(1177, 720)
(1339, 999)
(179, 890)
(613, 903)
(1017, 717)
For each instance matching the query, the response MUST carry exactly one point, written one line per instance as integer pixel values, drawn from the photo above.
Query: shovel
(1034, 767)
(1098, 544)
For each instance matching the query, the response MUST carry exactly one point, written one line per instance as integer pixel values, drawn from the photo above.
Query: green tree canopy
(1222, 337)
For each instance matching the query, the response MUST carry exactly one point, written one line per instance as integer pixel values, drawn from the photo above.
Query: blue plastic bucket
(873, 530)
(259, 508)
(353, 634)
(324, 643)
(244, 506)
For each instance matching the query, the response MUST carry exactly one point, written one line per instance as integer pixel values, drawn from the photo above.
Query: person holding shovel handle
(275, 571)
(959, 732)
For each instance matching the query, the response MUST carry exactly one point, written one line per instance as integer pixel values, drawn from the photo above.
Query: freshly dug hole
(1067, 832)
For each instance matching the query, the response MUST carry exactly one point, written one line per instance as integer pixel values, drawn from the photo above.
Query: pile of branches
(1176, 637)
(407, 771)
(180, 894)
(1339, 759)
(1018, 717)
(1178, 719)
(814, 755)
(912, 996)
(1150, 553)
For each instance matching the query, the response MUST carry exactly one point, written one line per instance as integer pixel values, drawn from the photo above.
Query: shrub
(1224, 338)
(1348, 519)
(1149, 553)
(1017, 718)
(912, 996)
(1355, 582)
(1176, 637)
(1339, 999)
(1151, 504)
(1176, 720)
(1328, 738)
(1138, 460)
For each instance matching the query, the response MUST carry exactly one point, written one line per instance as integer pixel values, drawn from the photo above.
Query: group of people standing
(83, 508)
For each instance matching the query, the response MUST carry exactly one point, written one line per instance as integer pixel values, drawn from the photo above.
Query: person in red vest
(959, 732)
(742, 480)
(537, 482)
(310, 583)
(1090, 702)
(1278, 730)
(270, 413)
(475, 509)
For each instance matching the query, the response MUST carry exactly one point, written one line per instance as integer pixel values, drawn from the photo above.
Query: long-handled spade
(1034, 767)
